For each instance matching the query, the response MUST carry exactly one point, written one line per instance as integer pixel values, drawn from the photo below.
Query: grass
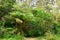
(18, 37)
(7, 36)
(13, 37)
(57, 37)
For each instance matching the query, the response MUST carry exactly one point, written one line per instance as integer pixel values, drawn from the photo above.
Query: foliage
(57, 24)
(5, 7)
(36, 21)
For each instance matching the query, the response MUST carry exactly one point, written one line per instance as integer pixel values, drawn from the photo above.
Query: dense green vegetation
(36, 22)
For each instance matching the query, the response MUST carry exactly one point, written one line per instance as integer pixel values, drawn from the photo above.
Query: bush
(57, 24)
(35, 21)
(6, 7)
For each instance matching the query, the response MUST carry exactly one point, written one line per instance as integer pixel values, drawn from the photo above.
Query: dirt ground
(34, 39)
(30, 38)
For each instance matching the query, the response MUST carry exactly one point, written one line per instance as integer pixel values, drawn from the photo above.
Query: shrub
(57, 24)
(6, 7)
(35, 21)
